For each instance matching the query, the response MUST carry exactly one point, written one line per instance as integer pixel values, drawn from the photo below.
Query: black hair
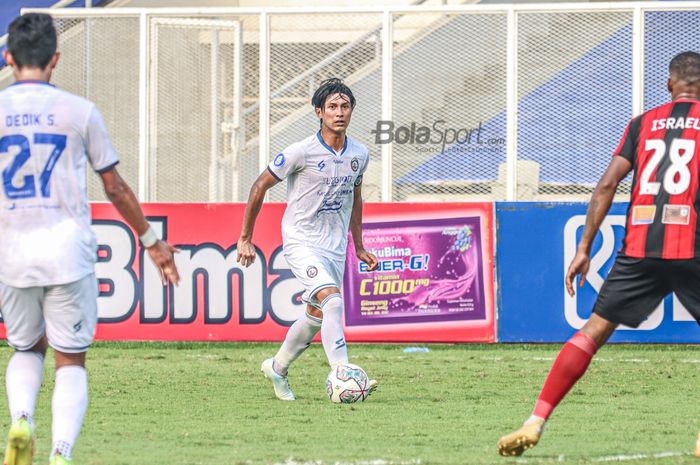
(686, 67)
(32, 40)
(329, 87)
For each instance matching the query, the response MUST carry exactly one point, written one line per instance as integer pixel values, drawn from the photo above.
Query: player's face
(336, 112)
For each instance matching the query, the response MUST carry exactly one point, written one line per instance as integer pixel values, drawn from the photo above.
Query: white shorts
(66, 314)
(314, 271)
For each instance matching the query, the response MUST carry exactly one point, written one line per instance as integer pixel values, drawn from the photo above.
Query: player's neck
(32, 74)
(687, 96)
(335, 140)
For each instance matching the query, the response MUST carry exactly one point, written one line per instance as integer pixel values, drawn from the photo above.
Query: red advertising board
(219, 300)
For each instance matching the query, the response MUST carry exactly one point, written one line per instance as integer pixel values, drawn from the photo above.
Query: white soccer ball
(347, 383)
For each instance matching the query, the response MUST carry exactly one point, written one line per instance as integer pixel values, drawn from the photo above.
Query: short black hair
(32, 40)
(330, 87)
(686, 67)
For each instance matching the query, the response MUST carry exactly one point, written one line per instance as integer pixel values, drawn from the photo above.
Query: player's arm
(245, 248)
(124, 200)
(597, 210)
(356, 229)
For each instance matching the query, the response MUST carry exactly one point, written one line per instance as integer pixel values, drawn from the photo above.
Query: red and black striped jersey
(663, 146)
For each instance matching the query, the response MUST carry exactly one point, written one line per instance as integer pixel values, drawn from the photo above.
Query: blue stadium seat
(10, 10)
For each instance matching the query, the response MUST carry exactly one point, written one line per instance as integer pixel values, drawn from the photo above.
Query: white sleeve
(358, 179)
(98, 143)
(289, 161)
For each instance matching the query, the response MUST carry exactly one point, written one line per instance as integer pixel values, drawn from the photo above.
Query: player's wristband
(149, 238)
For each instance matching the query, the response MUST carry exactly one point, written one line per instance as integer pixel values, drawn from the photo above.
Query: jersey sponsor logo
(676, 214)
(321, 165)
(279, 160)
(330, 205)
(311, 271)
(355, 164)
(611, 231)
(643, 214)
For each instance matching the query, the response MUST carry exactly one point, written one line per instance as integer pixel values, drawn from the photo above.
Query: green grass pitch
(188, 403)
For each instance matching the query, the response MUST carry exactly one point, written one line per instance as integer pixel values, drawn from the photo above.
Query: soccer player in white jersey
(48, 288)
(324, 198)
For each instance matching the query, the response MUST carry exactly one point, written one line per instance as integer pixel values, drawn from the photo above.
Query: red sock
(570, 365)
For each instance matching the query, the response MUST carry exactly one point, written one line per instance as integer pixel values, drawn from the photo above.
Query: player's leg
(332, 335)
(296, 341)
(69, 404)
(22, 313)
(71, 315)
(629, 294)
(569, 366)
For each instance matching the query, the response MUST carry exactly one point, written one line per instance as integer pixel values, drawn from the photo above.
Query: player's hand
(246, 252)
(579, 266)
(368, 258)
(162, 255)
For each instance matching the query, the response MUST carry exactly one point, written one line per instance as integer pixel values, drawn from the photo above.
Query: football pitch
(207, 403)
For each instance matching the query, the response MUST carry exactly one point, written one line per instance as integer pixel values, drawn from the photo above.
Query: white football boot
(280, 383)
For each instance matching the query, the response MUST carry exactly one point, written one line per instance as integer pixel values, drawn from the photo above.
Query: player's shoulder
(357, 148)
(302, 147)
(45, 93)
(80, 102)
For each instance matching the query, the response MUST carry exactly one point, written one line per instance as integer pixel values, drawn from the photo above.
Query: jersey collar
(33, 81)
(330, 149)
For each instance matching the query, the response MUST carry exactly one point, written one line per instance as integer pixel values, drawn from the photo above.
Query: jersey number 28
(27, 188)
(677, 177)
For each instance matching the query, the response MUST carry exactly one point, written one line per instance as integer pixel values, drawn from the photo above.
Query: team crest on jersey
(279, 160)
(354, 164)
(311, 271)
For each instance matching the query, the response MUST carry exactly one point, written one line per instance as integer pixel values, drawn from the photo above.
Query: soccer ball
(346, 384)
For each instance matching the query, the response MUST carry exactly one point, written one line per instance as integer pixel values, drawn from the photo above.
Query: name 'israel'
(675, 123)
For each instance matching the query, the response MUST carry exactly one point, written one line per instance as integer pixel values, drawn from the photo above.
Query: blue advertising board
(535, 244)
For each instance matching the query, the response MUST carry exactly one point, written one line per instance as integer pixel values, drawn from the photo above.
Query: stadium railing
(517, 102)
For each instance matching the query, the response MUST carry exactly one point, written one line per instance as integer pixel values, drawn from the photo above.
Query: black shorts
(635, 287)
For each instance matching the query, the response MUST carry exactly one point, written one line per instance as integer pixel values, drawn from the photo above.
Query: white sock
(532, 419)
(22, 381)
(70, 399)
(332, 330)
(296, 342)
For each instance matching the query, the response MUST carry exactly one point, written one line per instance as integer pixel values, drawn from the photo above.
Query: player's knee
(66, 358)
(40, 347)
(599, 329)
(314, 312)
(332, 303)
(325, 292)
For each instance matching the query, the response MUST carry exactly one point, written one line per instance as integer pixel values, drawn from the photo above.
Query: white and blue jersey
(47, 138)
(320, 189)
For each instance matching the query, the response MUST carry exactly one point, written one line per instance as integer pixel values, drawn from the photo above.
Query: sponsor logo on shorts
(279, 160)
(78, 326)
(354, 164)
(311, 271)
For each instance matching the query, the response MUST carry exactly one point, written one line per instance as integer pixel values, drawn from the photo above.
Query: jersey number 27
(27, 188)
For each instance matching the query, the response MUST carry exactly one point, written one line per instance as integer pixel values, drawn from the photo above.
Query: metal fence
(470, 102)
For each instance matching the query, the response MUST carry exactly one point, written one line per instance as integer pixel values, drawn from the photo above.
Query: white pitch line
(291, 461)
(624, 457)
(607, 458)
